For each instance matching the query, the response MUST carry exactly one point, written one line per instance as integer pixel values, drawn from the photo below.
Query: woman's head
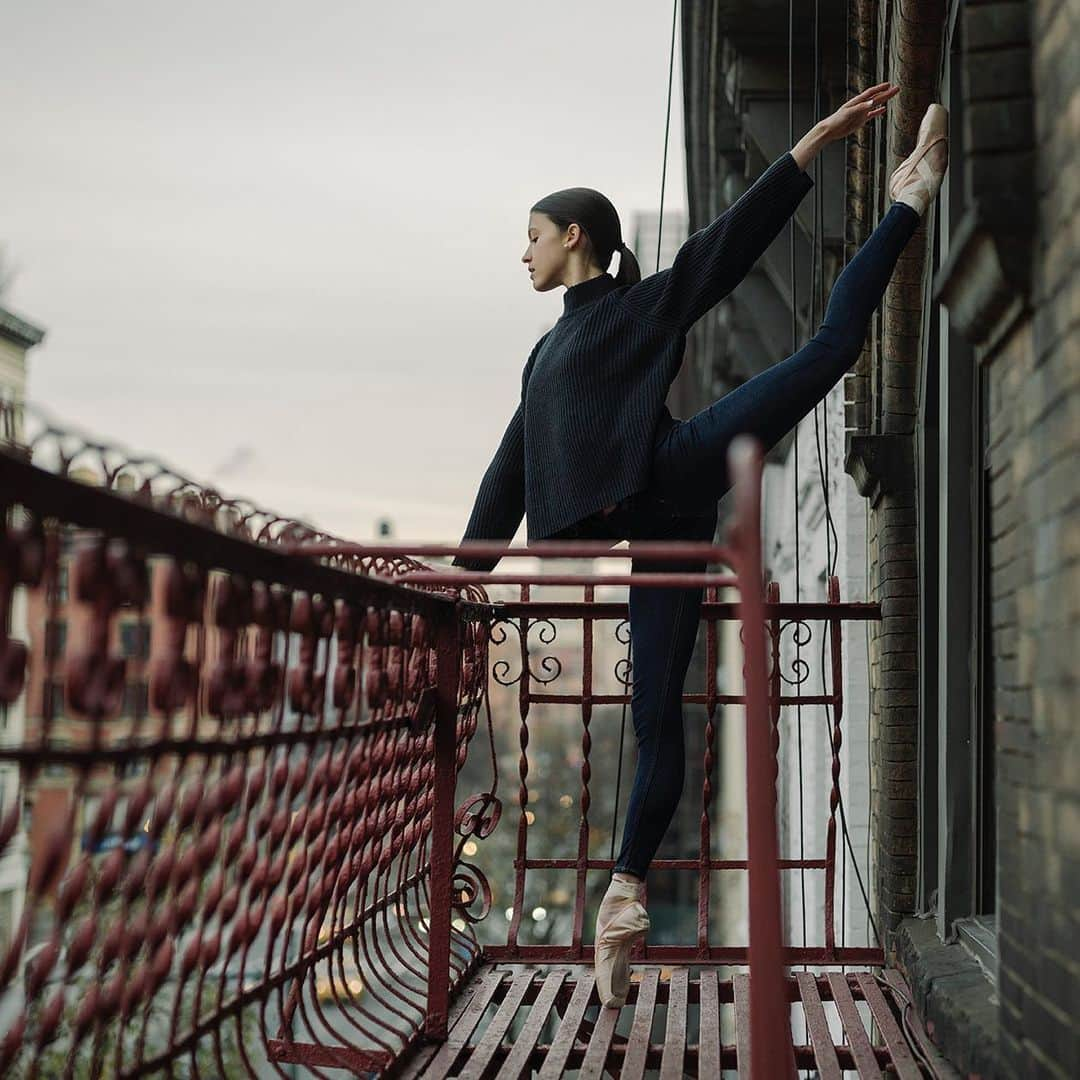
(573, 234)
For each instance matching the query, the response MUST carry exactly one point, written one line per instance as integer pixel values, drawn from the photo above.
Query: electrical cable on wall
(816, 308)
(816, 311)
(659, 235)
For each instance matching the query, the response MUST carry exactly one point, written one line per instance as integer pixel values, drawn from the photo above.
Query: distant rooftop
(19, 330)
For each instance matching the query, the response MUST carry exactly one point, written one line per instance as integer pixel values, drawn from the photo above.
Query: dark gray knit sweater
(594, 386)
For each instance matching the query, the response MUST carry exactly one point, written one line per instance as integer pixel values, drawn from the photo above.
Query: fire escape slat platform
(678, 1021)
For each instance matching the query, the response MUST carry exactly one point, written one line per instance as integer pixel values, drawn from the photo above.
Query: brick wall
(883, 404)
(1035, 447)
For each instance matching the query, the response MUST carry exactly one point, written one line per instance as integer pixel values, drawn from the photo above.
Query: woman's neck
(577, 277)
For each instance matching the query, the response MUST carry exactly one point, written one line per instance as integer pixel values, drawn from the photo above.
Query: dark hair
(598, 219)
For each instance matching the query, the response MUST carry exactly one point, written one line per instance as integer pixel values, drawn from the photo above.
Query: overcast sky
(279, 243)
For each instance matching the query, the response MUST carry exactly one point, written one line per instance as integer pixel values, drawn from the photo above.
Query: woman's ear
(573, 236)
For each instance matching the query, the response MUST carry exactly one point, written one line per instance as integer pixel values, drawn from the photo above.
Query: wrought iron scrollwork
(800, 669)
(552, 664)
(624, 673)
(469, 887)
(478, 815)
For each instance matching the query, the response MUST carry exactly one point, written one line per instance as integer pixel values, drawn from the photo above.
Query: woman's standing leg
(691, 463)
(663, 628)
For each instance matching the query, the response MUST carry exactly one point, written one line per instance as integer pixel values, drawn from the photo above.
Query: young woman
(592, 451)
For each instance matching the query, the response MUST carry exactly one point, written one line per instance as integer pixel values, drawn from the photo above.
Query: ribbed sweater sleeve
(500, 502)
(716, 258)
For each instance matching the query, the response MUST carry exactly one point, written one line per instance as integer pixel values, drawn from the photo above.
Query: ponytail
(629, 271)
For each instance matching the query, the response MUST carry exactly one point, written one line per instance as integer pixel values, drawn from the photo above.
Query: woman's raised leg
(690, 466)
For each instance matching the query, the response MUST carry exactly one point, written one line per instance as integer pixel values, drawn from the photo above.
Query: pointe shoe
(621, 922)
(915, 180)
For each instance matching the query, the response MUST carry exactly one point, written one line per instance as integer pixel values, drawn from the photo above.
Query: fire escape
(262, 865)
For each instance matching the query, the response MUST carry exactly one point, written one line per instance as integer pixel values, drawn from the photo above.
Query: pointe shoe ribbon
(614, 941)
(915, 176)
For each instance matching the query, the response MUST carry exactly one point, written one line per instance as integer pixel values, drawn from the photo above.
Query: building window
(55, 638)
(52, 699)
(135, 639)
(957, 840)
(127, 770)
(136, 700)
(7, 918)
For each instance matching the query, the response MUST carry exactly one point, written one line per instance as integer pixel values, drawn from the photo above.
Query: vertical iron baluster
(586, 775)
(834, 791)
(523, 774)
(442, 825)
(770, 1030)
(705, 834)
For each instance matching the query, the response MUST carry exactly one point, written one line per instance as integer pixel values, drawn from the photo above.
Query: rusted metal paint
(267, 853)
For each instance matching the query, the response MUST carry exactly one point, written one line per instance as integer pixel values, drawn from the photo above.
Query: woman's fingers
(868, 92)
(875, 93)
(875, 101)
(860, 109)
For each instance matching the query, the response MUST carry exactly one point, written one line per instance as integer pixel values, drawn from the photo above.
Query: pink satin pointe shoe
(621, 921)
(916, 180)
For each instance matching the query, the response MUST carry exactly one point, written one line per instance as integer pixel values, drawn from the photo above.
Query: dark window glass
(136, 699)
(52, 704)
(135, 640)
(55, 639)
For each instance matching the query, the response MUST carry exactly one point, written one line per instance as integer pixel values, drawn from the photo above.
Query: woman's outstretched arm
(716, 258)
(712, 261)
(500, 503)
(809, 146)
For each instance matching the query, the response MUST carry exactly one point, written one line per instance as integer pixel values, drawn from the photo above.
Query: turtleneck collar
(585, 292)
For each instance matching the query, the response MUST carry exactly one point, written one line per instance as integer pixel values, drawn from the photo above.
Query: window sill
(978, 935)
(952, 992)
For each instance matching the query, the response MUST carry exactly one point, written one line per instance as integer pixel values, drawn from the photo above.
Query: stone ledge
(955, 1000)
(984, 278)
(880, 465)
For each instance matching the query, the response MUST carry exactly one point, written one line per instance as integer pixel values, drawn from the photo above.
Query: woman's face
(546, 253)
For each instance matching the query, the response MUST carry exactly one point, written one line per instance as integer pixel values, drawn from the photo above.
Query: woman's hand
(854, 113)
(848, 118)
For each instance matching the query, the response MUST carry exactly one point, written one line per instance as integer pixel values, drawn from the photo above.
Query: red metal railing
(255, 853)
(218, 863)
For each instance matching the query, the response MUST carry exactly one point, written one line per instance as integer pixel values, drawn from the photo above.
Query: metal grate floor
(518, 1020)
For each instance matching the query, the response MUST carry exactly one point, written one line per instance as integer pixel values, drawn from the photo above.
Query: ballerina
(591, 452)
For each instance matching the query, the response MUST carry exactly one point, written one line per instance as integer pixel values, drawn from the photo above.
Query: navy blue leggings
(689, 476)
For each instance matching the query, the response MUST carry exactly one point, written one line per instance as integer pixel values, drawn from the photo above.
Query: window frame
(957, 832)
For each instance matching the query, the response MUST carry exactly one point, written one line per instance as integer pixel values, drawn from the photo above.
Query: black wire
(832, 551)
(795, 496)
(667, 129)
(622, 740)
(659, 237)
(795, 486)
